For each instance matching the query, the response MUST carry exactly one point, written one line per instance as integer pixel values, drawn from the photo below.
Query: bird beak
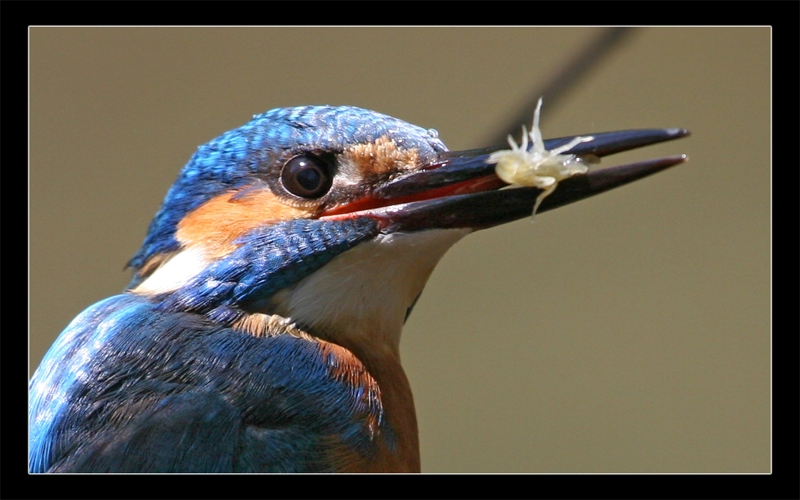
(463, 191)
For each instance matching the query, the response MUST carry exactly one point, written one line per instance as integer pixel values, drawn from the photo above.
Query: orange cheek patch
(216, 224)
(381, 156)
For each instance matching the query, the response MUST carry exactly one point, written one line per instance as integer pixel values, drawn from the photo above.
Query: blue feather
(129, 387)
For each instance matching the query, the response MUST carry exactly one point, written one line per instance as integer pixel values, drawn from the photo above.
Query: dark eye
(307, 176)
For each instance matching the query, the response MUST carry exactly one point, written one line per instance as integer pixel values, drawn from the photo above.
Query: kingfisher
(261, 329)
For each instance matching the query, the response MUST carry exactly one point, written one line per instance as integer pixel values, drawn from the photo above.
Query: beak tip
(677, 133)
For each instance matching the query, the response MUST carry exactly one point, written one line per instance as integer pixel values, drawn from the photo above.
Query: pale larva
(537, 167)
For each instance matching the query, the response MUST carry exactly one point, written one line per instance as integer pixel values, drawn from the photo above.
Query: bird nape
(261, 329)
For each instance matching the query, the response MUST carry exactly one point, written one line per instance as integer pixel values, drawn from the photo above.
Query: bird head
(331, 219)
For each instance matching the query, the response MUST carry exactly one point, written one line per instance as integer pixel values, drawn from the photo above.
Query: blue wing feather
(131, 387)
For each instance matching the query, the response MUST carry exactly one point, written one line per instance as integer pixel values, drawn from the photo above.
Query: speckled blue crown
(229, 161)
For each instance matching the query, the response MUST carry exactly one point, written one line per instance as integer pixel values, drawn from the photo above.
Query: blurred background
(626, 333)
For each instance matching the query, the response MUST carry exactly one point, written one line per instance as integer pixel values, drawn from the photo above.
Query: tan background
(626, 333)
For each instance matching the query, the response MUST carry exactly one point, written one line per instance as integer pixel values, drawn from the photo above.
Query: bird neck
(362, 296)
(398, 405)
(397, 447)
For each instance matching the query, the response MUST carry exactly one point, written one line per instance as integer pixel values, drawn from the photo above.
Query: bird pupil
(309, 178)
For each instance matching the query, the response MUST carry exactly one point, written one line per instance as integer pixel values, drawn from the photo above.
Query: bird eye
(307, 176)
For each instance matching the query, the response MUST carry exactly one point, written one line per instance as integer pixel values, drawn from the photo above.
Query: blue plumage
(269, 259)
(170, 381)
(231, 160)
(133, 382)
(261, 330)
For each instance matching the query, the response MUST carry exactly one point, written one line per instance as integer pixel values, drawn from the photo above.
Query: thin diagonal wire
(555, 89)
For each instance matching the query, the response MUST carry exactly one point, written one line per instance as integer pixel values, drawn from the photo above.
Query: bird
(261, 329)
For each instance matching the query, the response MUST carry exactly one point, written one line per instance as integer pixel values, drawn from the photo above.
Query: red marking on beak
(369, 202)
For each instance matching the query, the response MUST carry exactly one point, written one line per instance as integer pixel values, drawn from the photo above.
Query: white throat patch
(175, 272)
(367, 290)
